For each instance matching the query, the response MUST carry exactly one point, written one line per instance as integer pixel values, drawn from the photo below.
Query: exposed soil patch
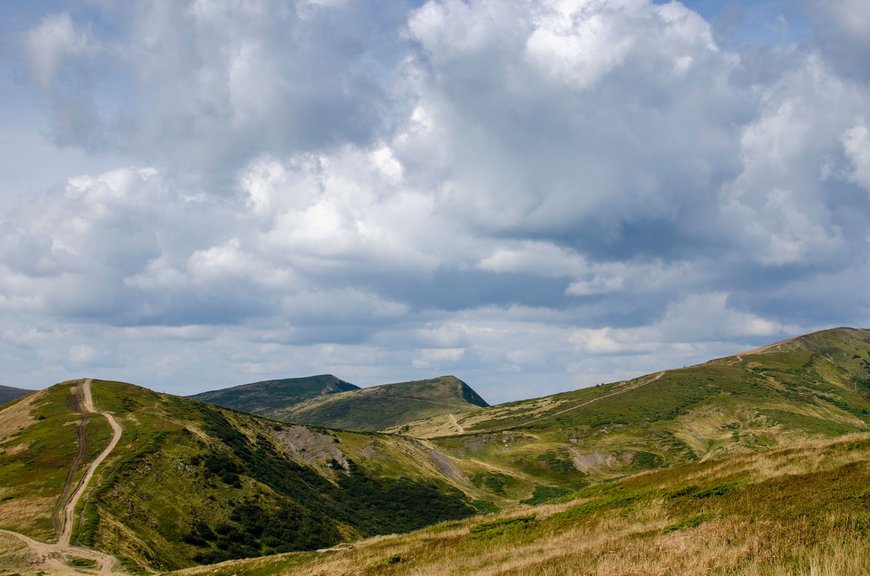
(600, 460)
(444, 465)
(312, 447)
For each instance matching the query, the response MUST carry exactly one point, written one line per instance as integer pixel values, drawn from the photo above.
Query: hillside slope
(269, 397)
(803, 509)
(385, 406)
(812, 386)
(194, 483)
(8, 394)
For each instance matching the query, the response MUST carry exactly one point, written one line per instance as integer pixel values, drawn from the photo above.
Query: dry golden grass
(18, 513)
(17, 417)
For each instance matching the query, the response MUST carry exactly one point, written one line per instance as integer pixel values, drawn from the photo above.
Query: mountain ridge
(328, 401)
(263, 397)
(387, 405)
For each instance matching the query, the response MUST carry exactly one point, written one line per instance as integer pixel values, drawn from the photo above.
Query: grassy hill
(194, 483)
(385, 406)
(801, 509)
(715, 468)
(269, 397)
(8, 394)
(815, 386)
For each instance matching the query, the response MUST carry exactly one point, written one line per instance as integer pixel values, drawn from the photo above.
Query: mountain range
(318, 462)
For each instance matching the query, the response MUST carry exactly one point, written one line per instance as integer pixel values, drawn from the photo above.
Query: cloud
(534, 152)
(857, 145)
(53, 42)
(221, 82)
(792, 160)
(533, 195)
(843, 31)
(437, 358)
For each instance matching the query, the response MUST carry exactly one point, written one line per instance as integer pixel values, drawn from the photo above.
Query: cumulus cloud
(792, 162)
(533, 195)
(221, 81)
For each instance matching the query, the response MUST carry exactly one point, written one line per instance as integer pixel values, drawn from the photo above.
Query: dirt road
(69, 510)
(53, 558)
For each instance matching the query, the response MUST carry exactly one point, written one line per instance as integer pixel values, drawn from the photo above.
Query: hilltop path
(53, 557)
(69, 510)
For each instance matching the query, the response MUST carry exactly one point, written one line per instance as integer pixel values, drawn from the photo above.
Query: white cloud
(437, 358)
(856, 141)
(843, 31)
(781, 201)
(534, 257)
(55, 40)
(686, 325)
(575, 48)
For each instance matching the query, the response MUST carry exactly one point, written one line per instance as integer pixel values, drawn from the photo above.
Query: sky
(534, 196)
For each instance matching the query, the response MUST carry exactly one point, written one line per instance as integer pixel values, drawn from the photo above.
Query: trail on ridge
(69, 510)
(52, 558)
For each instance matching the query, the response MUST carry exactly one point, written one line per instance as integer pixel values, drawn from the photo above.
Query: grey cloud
(533, 195)
(223, 82)
(842, 28)
(593, 166)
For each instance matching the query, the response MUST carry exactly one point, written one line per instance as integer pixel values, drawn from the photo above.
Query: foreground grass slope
(389, 405)
(802, 509)
(269, 397)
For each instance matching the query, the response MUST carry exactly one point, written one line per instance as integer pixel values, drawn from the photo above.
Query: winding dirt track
(456, 424)
(69, 510)
(52, 557)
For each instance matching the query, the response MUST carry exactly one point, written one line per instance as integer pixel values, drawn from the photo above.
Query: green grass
(32, 478)
(774, 513)
(387, 406)
(201, 484)
(86, 563)
(794, 390)
(270, 397)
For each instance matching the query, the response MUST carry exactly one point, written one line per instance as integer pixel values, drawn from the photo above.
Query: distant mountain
(389, 405)
(269, 397)
(8, 393)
